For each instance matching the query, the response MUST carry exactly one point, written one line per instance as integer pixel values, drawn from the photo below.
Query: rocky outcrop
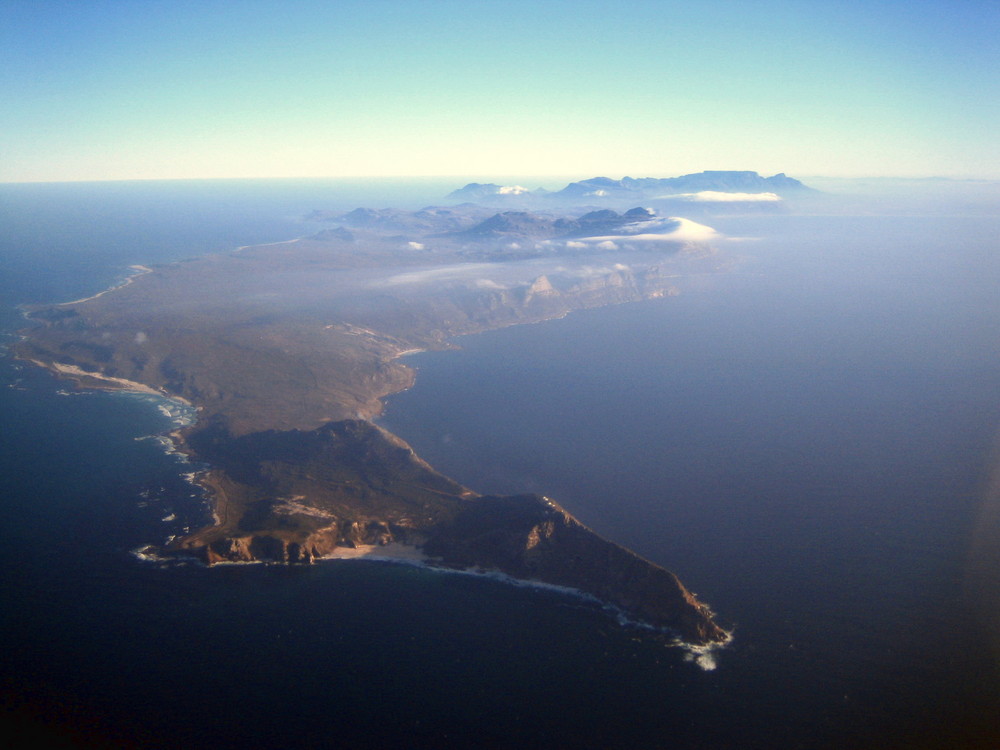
(531, 537)
(287, 546)
(296, 496)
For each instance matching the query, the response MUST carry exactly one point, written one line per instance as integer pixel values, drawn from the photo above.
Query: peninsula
(288, 349)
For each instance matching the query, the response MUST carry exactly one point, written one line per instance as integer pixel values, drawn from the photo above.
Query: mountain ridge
(642, 187)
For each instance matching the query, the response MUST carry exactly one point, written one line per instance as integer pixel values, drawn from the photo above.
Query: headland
(288, 350)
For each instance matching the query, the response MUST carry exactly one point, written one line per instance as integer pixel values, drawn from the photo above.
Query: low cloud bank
(663, 230)
(714, 196)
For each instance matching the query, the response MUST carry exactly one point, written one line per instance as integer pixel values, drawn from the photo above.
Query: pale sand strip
(119, 383)
(392, 551)
(139, 271)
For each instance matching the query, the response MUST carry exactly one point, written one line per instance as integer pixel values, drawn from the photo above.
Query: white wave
(704, 656)
(149, 553)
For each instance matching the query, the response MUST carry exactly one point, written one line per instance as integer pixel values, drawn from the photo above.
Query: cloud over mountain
(716, 196)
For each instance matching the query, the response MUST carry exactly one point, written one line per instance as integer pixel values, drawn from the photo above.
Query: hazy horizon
(112, 91)
(534, 181)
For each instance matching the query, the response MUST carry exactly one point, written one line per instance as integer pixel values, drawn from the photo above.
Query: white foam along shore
(122, 384)
(138, 271)
(702, 655)
(395, 552)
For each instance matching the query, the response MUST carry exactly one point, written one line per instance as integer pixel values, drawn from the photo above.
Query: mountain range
(630, 188)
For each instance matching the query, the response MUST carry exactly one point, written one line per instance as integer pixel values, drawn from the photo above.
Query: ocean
(806, 439)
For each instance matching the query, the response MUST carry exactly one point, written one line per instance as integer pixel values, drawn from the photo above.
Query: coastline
(392, 496)
(107, 382)
(703, 655)
(398, 553)
(140, 270)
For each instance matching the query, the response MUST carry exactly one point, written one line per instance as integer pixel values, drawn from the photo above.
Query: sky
(258, 89)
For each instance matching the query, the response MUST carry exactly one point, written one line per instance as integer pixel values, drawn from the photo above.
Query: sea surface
(806, 439)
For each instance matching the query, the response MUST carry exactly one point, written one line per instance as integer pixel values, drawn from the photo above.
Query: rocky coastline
(288, 349)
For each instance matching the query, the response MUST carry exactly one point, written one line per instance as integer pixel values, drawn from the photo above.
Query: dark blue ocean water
(804, 441)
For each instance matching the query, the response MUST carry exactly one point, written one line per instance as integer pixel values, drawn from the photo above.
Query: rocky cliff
(297, 496)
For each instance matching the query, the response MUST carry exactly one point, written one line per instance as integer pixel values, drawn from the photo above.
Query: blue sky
(148, 90)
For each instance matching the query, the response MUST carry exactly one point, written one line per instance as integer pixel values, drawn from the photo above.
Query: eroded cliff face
(286, 546)
(531, 537)
(293, 496)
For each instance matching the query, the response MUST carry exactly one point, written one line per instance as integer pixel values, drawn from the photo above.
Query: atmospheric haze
(145, 90)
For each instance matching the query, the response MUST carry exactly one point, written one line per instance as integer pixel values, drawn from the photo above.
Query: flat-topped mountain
(597, 190)
(652, 187)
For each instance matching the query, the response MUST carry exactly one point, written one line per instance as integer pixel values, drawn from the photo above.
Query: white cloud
(679, 230)
(575, 244)
(416, 245)
(590, 272)
(442, 273)
(512, 190)
(714, 196)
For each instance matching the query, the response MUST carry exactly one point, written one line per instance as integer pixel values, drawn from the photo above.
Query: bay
(805, 442)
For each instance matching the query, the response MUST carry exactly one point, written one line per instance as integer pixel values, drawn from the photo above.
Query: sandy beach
(392, 551)
(139, 271)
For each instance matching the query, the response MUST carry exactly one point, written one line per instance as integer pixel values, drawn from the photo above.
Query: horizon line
(459, 177)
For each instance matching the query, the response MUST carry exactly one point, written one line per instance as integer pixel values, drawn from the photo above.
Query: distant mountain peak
(527, 224)
(601, 189)
(717, 180)
(478, 191)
